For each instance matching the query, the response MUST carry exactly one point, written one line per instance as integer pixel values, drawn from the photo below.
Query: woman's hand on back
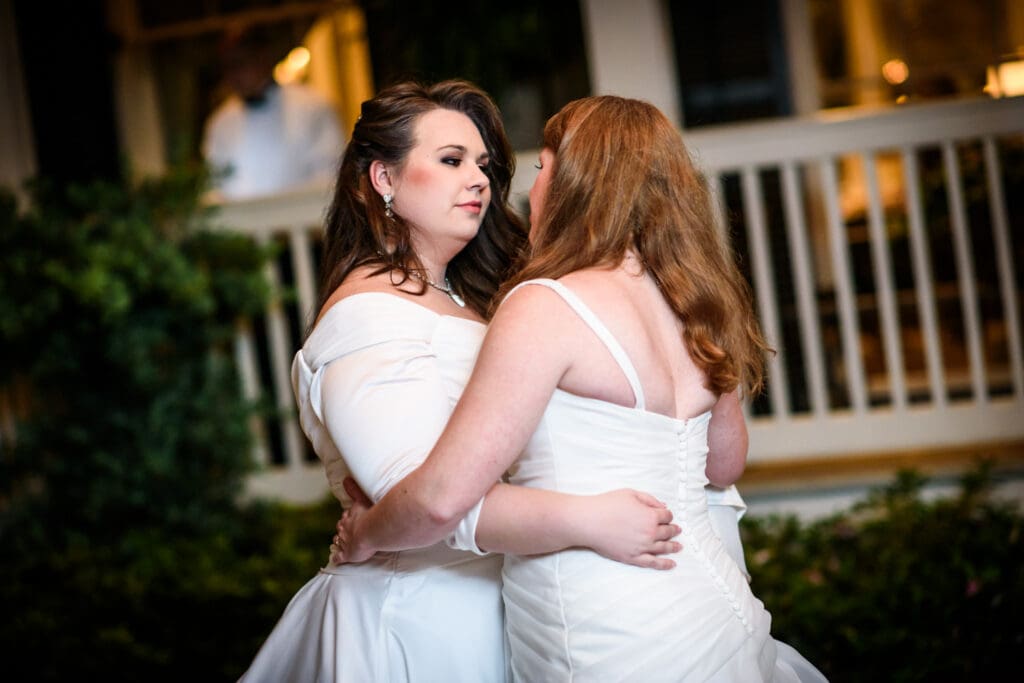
(631, 527)
(345, 548)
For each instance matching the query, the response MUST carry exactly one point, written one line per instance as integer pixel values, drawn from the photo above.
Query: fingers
(648, 499)
(651, 562)
(353, 490)
(666, 531)
(664, 548)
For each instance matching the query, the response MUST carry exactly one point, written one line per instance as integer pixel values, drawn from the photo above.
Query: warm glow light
(292, 67)
(1005, 80)
(1011, 78)
(992, 82)
(895, 71)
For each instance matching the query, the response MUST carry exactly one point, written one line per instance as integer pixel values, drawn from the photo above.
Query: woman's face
(441, 190)
(540, 187)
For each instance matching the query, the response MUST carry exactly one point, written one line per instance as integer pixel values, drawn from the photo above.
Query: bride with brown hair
(616, 358)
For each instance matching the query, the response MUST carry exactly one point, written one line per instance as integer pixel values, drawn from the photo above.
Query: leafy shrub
(898, 589)
(116, 316)
(123, 550)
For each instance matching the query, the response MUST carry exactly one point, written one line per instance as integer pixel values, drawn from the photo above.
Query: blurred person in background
(266, 137)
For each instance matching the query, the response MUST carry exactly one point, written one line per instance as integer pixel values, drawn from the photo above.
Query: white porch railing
(883, 249)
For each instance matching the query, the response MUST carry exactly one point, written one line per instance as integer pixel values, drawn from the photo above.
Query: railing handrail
(833, 132)
(262, 216)
(825, 401)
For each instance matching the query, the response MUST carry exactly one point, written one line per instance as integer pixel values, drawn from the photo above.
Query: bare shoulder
(528, 302)
(359, 281)
(534, 315)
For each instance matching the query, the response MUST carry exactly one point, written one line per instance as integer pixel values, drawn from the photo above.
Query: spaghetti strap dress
(576, 616)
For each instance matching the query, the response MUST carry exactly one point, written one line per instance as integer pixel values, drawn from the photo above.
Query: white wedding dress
(376, 383)
(576, 616)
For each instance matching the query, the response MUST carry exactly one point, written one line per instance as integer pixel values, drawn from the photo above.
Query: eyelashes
(455, 162)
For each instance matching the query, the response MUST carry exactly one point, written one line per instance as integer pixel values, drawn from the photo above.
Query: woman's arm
(384, 407)
(727, 441)
(623, 525)
(527, 350)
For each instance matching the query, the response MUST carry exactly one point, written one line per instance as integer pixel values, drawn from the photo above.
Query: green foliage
(159, 606)
(118, 496)
(117, 311)
(898, 589)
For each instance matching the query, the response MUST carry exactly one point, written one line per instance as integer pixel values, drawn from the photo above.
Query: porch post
(629, 52)
(798, 37)
(137, 107)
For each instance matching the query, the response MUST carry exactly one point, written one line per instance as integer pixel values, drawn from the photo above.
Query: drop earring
(387, 206)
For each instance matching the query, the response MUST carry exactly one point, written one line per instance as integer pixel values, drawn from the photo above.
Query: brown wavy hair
(622, 179)
(358, 233)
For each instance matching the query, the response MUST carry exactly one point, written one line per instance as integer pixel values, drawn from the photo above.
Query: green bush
(123, 550)
(898, 589)
(117, 311)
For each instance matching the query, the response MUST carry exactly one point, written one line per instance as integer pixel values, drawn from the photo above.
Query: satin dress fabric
(576, 616)
(375, 384)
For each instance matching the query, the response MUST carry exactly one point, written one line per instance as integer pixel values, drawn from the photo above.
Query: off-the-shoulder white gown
(576, 616)
(375, 383)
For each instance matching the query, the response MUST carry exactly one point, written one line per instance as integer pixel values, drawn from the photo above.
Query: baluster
(305, 279)
(845, 299)
(248, 373)
(965, 271)
(800, 256)
(884, 290)
(764, 278)
(280, 370)
(924, 281)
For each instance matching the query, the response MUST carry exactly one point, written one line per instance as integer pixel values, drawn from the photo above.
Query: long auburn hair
(622, 179)
(357, 231)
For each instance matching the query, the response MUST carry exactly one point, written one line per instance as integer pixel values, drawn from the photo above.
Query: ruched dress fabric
(576, 616)
(376, 383)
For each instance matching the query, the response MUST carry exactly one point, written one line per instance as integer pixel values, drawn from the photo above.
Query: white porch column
(629, 52)
(798, 36)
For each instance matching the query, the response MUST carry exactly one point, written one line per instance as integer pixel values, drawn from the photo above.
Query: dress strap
(603, 333)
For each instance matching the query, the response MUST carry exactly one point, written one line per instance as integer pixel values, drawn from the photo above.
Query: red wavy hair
(622, 179)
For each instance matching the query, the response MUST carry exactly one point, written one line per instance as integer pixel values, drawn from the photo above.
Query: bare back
(631, 306)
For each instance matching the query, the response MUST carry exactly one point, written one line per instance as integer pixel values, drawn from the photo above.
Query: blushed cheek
(418, 176)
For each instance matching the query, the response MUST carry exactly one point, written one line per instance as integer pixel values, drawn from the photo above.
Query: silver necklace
(447, 289)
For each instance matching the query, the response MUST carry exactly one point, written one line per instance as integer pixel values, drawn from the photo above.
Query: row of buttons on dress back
(690, 541)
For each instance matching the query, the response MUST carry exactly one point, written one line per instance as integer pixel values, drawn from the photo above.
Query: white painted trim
(629, 52)
(883, 430)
